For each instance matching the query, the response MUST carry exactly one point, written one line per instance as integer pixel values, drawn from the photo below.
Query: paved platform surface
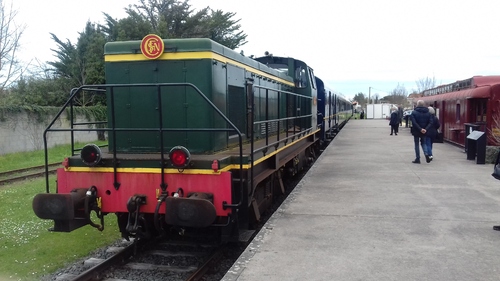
(365, 212)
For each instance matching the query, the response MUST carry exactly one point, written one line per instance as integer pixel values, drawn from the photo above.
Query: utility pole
(369, 94)
(369, 97)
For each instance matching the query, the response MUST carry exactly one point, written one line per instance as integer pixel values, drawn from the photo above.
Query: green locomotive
(200, 138)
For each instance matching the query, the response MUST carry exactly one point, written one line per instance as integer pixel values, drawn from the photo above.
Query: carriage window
(457, 113)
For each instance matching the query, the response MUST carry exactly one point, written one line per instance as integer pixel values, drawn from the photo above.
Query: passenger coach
(465, 105)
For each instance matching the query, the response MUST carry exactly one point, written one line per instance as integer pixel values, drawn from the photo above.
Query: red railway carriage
(471, 103)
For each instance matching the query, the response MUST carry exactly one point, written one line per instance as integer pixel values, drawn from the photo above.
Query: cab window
(311, 77)
(300, 77)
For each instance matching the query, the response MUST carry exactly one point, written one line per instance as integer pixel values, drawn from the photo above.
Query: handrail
(294, 98)
(113, 130)
(295, 116)
(267, 122)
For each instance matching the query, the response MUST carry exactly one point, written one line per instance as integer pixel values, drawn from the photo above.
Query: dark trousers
(394, 129)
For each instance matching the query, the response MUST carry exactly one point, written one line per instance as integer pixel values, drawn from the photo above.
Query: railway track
(163, 261)
(151, 261)
(26, 173)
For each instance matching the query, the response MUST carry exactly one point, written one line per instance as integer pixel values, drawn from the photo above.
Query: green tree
(133, 27)
(67, 64)
(171, 18)
(175, 19)
(361, 99)
(224, 30)
(47, 91)
(81, 64)
(90, 48)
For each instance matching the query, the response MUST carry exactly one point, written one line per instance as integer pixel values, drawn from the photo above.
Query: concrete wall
(24, 132)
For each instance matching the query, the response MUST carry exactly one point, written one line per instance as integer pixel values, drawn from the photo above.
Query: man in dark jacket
(421, 121)
(394, 122)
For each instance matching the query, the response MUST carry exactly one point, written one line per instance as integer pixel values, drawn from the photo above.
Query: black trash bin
(476, 143)
(469, 128)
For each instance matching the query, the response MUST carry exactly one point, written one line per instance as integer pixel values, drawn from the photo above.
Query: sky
(368, 46)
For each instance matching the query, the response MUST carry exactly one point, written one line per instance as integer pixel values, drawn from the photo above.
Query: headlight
(91, 154)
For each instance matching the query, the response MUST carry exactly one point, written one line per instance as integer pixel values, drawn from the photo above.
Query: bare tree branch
(10, 35)
(425, 84)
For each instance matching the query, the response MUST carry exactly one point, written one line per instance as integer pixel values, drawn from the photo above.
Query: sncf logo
(152, 46)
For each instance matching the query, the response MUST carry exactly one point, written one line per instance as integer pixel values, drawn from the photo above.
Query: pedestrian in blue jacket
(421, 121)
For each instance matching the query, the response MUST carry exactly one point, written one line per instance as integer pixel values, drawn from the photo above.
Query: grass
(20, 160)
(27, 249)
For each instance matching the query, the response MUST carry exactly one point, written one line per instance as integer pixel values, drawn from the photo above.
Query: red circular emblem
(152, 46)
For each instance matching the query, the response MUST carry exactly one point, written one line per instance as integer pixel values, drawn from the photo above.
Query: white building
(379, 111)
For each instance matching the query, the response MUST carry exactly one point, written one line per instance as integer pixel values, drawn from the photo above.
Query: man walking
(421, 121)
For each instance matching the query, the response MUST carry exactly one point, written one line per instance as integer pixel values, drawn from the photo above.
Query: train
(199, 140)
(467, 105)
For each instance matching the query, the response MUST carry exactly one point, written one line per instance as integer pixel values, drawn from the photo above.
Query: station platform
(364, 211)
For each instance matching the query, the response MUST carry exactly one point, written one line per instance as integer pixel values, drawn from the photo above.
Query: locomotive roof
(189, 48)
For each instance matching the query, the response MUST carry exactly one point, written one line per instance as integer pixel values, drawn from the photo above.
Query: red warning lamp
(91, 154)
(179, 156)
